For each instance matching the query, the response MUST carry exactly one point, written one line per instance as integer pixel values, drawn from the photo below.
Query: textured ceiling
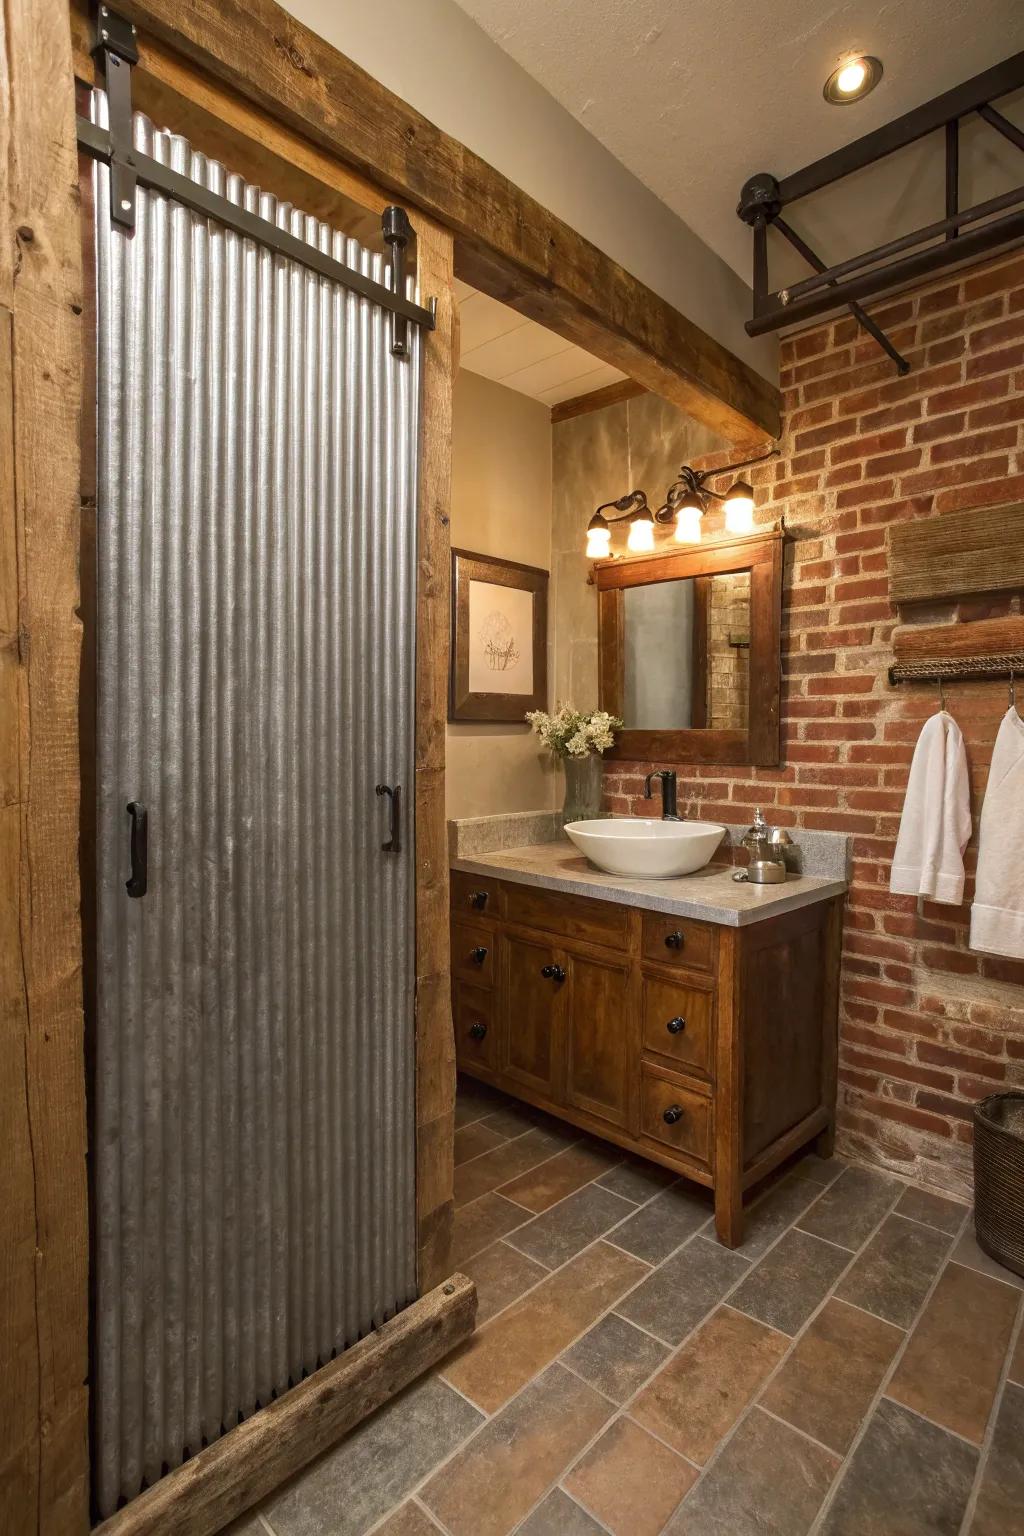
(497, 342)
(693, 97)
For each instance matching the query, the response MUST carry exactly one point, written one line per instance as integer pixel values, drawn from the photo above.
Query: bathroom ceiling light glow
(599, 538)
(641, 532)
(739, 507)
(689, 515)
(852, 80)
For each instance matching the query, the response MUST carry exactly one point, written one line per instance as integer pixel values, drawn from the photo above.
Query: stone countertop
(710, 895)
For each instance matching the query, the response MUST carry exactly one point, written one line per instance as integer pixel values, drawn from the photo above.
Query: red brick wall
(926, 1026)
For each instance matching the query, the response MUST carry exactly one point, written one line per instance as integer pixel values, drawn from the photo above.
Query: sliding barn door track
(116, 51)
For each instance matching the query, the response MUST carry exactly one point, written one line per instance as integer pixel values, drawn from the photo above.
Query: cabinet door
(597, 1075)
(532, 996)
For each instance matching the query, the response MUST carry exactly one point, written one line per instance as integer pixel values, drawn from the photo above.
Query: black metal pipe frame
(862, 318)
(763, 198)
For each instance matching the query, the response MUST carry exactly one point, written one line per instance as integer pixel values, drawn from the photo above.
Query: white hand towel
(997, 916)
(936, 822)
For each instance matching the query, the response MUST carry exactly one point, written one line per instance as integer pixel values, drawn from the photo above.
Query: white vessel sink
(646, 850)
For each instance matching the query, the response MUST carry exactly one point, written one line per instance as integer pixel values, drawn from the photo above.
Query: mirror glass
(686, 653)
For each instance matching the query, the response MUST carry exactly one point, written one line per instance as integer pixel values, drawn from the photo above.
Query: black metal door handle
(676, 1026)
(394, 842)
(674, 940)
(672, 1114)
(138, 880)
(553, 972)
(478, 900)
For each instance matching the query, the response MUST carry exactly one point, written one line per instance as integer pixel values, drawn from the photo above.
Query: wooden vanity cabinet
(706, 1048)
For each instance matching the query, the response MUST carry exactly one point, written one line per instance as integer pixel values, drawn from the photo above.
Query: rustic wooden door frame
(252, 63)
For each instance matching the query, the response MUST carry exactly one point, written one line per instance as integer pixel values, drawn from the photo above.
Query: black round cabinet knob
(674, 940)
(676, 1026)
(673, 1114)
(477, 1031)
(553, 972)
(478, 955)
(478, 900)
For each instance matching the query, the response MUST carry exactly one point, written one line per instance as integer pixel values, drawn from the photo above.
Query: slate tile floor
(855, 1369)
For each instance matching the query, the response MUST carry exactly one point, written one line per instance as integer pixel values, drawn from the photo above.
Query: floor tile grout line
(622, 1410)
(503, 1141)
(434, 1521)
(625, 1407)
(883, 1386)
(625, 1414)
(812, 1439)
(976, 1269)
(557, 1361)
(486, 1418)
(793, 1341)
(478, 1429)
(497, 1188)
(579, 1504)
(613, 1228)
(985, 1449)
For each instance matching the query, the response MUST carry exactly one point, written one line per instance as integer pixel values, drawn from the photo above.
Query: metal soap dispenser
(766, 847)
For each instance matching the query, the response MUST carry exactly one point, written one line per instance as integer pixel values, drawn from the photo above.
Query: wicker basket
(999, 1178)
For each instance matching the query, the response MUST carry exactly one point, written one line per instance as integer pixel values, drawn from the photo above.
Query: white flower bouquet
(569, 733)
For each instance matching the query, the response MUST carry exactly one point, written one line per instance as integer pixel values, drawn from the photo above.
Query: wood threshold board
(249, 1462)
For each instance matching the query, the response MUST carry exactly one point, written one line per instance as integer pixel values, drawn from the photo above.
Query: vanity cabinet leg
(729, 1212)
(825, 1141)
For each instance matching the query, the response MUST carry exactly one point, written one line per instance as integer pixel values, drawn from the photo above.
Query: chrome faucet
(668, 793)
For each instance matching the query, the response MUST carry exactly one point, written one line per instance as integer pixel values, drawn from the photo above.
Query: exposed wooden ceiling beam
(597, 399)
(508, 245)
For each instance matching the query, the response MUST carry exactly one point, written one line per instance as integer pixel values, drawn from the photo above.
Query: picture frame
(499, 642)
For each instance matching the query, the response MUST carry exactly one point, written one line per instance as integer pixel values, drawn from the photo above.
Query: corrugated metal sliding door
(253, 1117)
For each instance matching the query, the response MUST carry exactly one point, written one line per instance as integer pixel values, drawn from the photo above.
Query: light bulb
(739, 508)
(599, 543)
(853, 80)
(641, 533)
(688, 520)
(851, 77)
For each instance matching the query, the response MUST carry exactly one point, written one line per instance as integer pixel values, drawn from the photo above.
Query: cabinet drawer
(675, 1117)
(476, 1039)
(472, 954)
(577, 917)
(678, 941)
(678, 1022)
(473, 895)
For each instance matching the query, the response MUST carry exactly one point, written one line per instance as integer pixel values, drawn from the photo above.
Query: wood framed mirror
(689, 645)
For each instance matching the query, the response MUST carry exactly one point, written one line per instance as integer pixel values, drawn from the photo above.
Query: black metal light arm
(635, 501)
(693, 481)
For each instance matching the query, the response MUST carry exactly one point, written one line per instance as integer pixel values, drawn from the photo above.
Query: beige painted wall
(637, 445)
(501, 505)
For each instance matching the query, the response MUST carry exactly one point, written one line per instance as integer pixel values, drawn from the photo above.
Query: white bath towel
(936, 821)
(997, 916)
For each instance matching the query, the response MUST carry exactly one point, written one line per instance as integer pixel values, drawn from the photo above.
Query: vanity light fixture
(852, 80)
(686, 501)
(636, 512)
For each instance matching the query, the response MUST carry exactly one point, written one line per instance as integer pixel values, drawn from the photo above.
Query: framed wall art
(499, 655)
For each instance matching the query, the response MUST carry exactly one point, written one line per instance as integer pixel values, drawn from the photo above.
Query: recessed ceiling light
(852, 80)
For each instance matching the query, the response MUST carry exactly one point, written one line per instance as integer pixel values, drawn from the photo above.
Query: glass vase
(583, 787)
